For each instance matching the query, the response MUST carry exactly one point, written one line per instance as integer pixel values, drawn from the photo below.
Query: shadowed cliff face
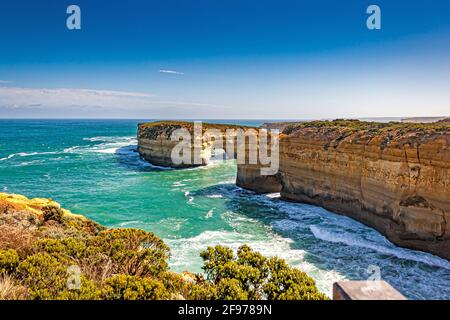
(393, 177)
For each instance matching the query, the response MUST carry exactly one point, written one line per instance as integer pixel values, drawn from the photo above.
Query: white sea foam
(286, 225)
(29, 163)
(8, 157)
(24, 154)
(178, 184)
(351, 239)
(209, 214)
(345, 231)
(126, 147)
(172, 223)
(273, 195)
(71, 149)
(108, 151)
(129, 223)
(109, 145)
(109, 138)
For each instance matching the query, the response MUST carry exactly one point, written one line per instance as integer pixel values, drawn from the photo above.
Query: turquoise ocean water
(91, 167)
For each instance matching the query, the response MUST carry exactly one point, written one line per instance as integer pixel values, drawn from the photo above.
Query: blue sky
(224, 59)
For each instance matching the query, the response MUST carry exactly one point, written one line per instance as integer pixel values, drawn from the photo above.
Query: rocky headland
(393, 177)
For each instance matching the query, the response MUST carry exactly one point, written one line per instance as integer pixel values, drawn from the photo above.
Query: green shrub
(213, 261)
(230, 289)
(9, 260)
(131, 264)
(48, 277)
(125, 287)
(86, 291)
(286, 283)
(133, 251)
(44, 275)
(188, 286)
(200, 291)
(68, 247)
(250, 275)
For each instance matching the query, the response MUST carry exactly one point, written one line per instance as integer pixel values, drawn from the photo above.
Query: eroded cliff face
(156, 142)
(155, 145)
(395, 179)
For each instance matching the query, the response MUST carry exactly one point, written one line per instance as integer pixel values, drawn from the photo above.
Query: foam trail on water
(352, 240)
(24, 154)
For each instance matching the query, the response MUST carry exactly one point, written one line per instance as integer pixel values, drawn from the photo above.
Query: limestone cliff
(155, 144)
(393, 177)
(390, 176)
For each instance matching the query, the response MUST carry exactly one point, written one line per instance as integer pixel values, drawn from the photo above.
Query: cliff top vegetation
(152, 130)
(375, 127)
(384, 133)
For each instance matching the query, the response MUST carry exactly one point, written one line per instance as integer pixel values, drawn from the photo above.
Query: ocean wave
(108, 150)
(129, 223)
(351, 239)
(109, 138)
(8, 157)
(29, 163)
(331, 227)
(173, 224)
(285, 225)
(109, 145)
(178, 184)
(71, 149)
(124, 146)
(25, 154)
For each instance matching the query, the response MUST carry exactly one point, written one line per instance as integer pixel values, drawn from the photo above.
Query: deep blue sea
(91, 167)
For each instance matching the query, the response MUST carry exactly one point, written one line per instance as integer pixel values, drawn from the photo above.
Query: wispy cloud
(60, 97)
(94, 103)
(5, 81)
(171, 71)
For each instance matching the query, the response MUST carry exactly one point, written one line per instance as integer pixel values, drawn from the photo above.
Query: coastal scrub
(73, 258)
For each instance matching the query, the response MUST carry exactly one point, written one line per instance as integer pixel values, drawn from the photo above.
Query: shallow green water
(91, 167)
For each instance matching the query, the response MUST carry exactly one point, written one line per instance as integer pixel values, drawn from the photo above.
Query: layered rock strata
(393, 177)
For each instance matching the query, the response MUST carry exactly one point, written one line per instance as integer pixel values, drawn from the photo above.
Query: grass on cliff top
(190, 125)
(373, 127)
